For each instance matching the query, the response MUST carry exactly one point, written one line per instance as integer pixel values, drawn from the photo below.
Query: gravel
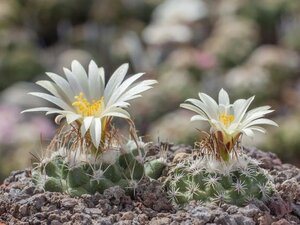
(22, 203)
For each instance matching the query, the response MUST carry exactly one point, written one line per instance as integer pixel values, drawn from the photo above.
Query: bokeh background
(248, 47)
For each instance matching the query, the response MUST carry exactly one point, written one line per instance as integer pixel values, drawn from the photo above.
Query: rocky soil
(22, 203)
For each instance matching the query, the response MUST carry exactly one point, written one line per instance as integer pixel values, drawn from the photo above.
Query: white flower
(86, 99)
(229, 118)
(228, 121)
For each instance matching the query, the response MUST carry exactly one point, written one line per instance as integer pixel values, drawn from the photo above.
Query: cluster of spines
(57, 175)
(189, 180)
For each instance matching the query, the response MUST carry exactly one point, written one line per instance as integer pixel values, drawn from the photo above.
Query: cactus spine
(124, 167)
(204, 178)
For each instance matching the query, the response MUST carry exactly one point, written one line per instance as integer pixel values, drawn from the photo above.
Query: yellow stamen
(226, 119)
(86, 108)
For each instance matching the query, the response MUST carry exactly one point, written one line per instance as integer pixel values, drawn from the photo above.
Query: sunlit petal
(95, 131)
(115, 80)
(86, 125)
(223, 97)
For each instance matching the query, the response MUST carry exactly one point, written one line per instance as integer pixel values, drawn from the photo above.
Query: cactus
(94, 161)
(221, 173)
(207, 179)
(79, 173)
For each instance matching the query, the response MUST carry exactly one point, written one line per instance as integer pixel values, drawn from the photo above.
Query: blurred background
(248, 47)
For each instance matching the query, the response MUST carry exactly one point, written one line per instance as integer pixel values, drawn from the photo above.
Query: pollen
(226, 119)
(86, 108)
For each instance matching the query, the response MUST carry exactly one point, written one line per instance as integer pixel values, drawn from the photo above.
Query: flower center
(226, 119)
(86, 108)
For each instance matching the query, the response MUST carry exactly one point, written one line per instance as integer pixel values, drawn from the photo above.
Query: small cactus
(86, 106)
(221, 173)
(124, 168)
(207, 179)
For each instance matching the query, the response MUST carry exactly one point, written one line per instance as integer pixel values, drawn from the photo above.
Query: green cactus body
(126, 169)
(55, 184)
(237, 181)
(154, 168)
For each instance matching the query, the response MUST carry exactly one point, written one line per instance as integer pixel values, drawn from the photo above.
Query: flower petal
(54, 89)
(262, 121)
(86, 125)
(134, 92)
(255, 116)
(121, 104)
(71, 117)
(80, 75)
(117, 112)
(257, 128)
(194, 109)
(240, 108)
(75, 86)
(102, 76)
(258, 109)
(210, 104)
(58, 119)
(248, 132)
(95, 131)
(198, 117)
(57, 101)
(122, 88)
(115, 80)
(204, 111)
(39, 109)
(95, 81)
(223, 97)
(63, 85)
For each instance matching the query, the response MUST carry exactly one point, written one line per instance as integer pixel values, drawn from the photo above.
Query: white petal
(122, 88)
(95, 131)
(39, 109)
(102, 76)
(258, 113)
(259, 109)
(223, 97)
(115, 80)
(54, 89)
(134, 92)
(248, 132)
(262, 121)
(259, 129)
(57, 101)
(81, 77)
(59, 111)
(71, 117)
(117, 112)
(222, 109)
(95, 81)
(204, 111)
(210, 104)
(198, 117)
(240, 108)
(218, 125)
(49, 86)
(193, 108)
(86, 125)
(255, 116)
(75, 86)
(118, 104)
(238, 104)
(63, 84)
(58, 118)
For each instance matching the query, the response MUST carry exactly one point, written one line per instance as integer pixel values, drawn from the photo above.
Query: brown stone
(281, 222)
